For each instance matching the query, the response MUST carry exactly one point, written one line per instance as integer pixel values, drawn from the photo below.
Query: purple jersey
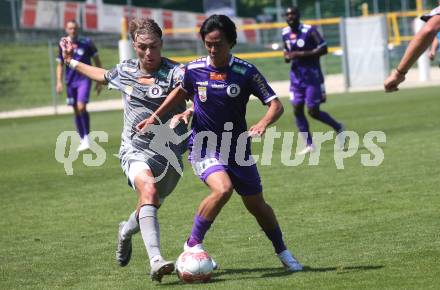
(306, 70)
(84, 51)
(220, 97)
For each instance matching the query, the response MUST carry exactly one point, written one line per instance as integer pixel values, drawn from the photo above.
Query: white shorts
(164, 185)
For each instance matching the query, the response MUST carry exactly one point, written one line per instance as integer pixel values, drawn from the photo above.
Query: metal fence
(27, 58)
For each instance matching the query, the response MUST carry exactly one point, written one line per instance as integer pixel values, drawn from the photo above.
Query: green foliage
(358, 228)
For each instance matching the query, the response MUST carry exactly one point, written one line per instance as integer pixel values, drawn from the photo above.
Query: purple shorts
(78, 92)
(311, 95)
(245, 179)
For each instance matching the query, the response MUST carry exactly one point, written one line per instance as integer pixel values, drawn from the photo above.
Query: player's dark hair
(293, 9)
(142, 26)
(222, 23)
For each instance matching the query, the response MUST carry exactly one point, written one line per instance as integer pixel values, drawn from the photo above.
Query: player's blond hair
(144, 26)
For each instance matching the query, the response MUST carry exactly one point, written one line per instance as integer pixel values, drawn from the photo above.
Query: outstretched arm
(93, 73)
(434, 48)
(177, 96)
(417, 46)
(273, 113)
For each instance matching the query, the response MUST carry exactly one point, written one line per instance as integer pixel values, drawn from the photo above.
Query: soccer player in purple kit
(220, 85)
(78, 85)
(303, 46)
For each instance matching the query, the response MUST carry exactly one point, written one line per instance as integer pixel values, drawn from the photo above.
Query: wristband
(401, 72)
(73, 64)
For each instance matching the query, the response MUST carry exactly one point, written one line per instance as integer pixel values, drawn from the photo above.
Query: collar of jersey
(231, 60)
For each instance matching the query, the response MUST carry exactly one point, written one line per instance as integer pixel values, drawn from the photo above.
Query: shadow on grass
(338, 270)
(277, 272)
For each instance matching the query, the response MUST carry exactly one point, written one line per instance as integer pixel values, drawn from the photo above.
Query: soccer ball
(194, 266)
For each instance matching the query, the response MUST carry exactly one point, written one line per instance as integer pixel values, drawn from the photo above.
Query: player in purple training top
(416, 48)
(78, 85)
(303, 46)
(220, 85)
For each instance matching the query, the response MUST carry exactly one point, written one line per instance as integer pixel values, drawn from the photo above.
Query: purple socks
(327, 119)
(303, 126)
(276, 237)
(199, 229)
(82, 123)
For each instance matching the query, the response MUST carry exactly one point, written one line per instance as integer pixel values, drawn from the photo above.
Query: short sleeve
(428, 16)
(60, 58)
(187, 82)
(259, 86)
(178, 75)
(112, 78)
(317, 38)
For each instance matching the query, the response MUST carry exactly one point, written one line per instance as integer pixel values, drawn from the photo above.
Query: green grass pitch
(357, 228)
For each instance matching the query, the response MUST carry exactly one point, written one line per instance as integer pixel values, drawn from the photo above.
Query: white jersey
(142, 94)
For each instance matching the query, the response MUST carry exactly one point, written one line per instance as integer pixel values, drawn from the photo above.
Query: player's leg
(82, 101)
(314, 99)
(247, 182)
(72, 101)
(297, 99)
(221, 189)
(149, 203)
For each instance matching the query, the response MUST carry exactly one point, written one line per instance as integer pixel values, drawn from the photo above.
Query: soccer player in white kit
(152, 161)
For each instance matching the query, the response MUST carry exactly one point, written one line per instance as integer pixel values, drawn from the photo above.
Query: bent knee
(147, 191)
(223, 191)
(313, 112)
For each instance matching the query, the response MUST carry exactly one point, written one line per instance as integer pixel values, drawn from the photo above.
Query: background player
(418, 45)
(77, 85)
(220, 85)
(435, 45)
(144, 83)
(303, 46)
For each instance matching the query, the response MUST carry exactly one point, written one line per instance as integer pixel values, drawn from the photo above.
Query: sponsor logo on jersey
(218, 86)
(202, 92)
(233, 90)
(259, 80)
(300, 43)
(217, 76)
(162, 74)
(155, 91)
(239, 69)
(204, 84)
(146, 81)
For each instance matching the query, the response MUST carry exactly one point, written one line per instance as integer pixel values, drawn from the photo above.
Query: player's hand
(66, 49)
(98, 88)
(185, 117)
(142, 127)
(257, 130)
(391, 84)
(59, 88)
(431, 55)
(294, 54)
